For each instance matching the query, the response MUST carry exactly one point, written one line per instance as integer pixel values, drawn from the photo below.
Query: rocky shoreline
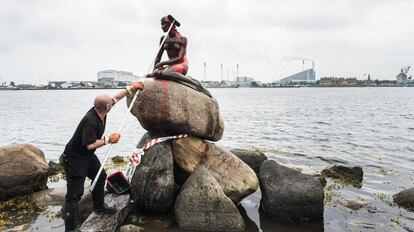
(187, 183)
(20, 213)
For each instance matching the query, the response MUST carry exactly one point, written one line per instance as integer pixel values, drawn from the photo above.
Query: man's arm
(132, 89)
(113, 138)
(97, 144)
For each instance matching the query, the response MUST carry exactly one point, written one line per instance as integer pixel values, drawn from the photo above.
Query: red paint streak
(165, 104)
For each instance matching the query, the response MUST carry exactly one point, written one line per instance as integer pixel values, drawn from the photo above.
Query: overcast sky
(73, 40)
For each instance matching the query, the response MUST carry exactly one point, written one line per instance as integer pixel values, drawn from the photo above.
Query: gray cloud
(69, 40)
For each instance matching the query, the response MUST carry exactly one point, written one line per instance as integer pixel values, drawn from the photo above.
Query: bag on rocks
(235, 177)
(173, 108)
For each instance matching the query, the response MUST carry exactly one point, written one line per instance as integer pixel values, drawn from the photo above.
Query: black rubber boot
(71, 214)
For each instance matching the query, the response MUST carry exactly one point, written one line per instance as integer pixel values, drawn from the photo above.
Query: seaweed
(17, 211)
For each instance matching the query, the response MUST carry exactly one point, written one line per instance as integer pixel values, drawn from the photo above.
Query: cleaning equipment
(173, 22)
(135, 158)
(117, 183)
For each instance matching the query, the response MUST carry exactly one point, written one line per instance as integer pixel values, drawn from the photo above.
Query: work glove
(134, 87)
(113, 138)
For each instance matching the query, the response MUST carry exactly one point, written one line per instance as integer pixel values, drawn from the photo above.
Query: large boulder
(167, 106)
(235, 177)
(252, 158)
(202, 205)
(289, 195)
(108, 222)
(152, 185)
(405, 199)
(23, 170)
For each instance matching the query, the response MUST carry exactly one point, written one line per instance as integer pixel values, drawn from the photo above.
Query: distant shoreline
(267, 87)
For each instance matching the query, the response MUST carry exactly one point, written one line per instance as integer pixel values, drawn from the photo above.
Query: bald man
(79, 157)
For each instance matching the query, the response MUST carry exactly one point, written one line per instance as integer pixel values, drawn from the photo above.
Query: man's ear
(108, 107)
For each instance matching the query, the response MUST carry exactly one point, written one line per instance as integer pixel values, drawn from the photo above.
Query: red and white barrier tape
(135, 158)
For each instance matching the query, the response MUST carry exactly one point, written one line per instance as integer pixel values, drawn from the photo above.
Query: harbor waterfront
(304, 128)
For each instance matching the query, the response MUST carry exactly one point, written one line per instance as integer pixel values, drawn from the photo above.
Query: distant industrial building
(57, 84)
(307, 75)
(115, 78)
(338, 81)
(241, 82)
(70, 84)
(402, 77)
(211, 84)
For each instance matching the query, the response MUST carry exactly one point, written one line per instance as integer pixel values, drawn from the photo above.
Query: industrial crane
(405, 71)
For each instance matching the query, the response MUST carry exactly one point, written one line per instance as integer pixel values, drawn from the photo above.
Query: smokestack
(221, 72)
(205, 71)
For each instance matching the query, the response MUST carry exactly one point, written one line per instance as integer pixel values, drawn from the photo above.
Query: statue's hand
(158, 65)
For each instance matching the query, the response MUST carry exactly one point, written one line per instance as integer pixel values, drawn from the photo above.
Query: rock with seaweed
(405, 199)
(347, 175)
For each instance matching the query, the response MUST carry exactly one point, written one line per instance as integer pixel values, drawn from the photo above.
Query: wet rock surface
(23, 170)
(52, 196)
(202, 205)
(235, 177)
(252, 158)
(55, 168)
(108, 222)
(288, 195)
(349, 175)
(130, 228)
(170, 107)
(405, 199)
(152, 185)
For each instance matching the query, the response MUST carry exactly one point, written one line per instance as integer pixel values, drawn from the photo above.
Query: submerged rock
(23, 170)
(108, 222)
(55, 168)
(349, 175)
(202, 205)
(405, 199)
(252, 158)
(352, 204)
(321, 178)
(235, 177)
(48, 197)
(289, 195)
(173, 108)
(152, 185)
